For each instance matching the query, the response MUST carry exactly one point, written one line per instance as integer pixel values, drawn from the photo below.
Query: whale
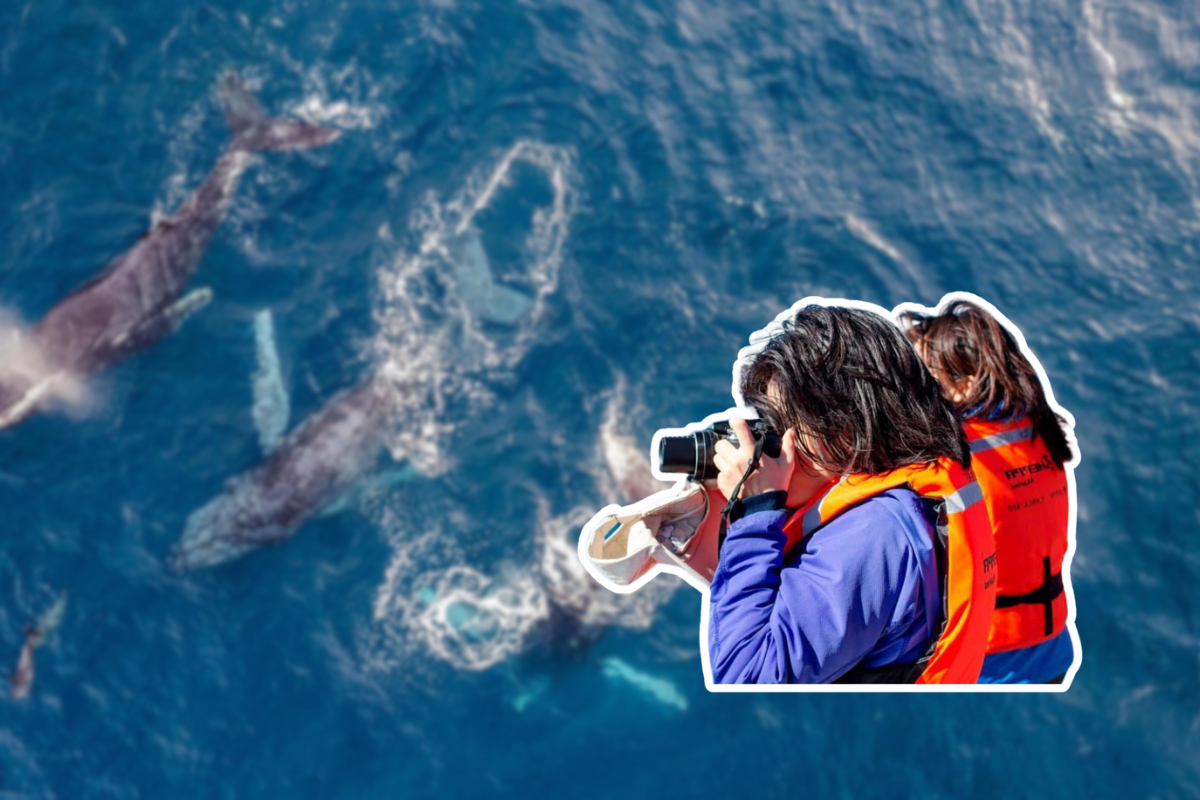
(22, 677)
(658, 689)
(141, 296)
(310, 472)
(316, 470)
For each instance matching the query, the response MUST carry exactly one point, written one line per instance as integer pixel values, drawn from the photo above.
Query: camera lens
(688, 455)
(677, 454)
(693, 455)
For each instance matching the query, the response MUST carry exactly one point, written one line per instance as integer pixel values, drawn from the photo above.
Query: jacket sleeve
(813, 618)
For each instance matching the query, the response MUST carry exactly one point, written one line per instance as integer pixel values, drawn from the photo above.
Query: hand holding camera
(733, 457)
(722, 452)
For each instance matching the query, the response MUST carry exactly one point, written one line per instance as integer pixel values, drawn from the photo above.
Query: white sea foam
(627, 477)
(1019, 56)
(1133, 44)
(473, 621)
(1093, 30)
(438, 343)
(470, 620)
(318, 109)
(342, 96)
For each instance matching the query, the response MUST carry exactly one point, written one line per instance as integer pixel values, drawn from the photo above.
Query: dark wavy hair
(965, 342)
(854, 386)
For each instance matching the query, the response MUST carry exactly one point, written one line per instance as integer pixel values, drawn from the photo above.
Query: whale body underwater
(311, 470)
(139, 298)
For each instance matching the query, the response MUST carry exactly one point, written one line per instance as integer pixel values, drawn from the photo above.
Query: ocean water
(648, 183)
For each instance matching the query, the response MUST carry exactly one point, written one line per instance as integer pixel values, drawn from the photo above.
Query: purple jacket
(863, 589)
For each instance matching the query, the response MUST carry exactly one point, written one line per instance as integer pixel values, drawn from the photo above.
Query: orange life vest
(1026, 498)
(967, 557)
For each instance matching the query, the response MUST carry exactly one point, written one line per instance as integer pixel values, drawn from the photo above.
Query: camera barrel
(688, 455)
(693, 454)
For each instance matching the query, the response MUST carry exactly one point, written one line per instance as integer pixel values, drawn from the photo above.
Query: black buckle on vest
(1044, 595)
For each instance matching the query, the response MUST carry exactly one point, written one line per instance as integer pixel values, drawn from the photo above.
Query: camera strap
(733, 497)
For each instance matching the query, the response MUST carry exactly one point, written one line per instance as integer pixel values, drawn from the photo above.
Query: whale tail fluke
(254, 130)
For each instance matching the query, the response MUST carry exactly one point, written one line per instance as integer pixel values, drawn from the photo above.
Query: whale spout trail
(29, 379)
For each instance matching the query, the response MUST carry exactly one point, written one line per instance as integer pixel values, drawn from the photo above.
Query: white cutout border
(758, 340)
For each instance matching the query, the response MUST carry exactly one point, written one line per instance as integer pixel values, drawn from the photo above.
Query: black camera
(693, 454)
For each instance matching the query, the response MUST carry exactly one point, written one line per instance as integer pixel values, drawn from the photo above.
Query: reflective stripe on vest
(1021, 434)
(1026, 497)
(969, 581)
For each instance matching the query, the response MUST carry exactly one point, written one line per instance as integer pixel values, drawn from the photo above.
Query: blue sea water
(660, 179)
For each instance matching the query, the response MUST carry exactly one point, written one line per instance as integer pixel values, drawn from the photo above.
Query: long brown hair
(850, 382)
(981, 359)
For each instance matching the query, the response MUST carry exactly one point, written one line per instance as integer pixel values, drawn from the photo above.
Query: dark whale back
(139, 297)
(314, 466)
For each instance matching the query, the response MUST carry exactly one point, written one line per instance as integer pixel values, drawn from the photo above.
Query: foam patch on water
(1093, 32)
(441, 336)
(452, 316)
(336, 113)
(627, 477)
(471, 620)
(1138, 48)
(342, 96)
(474, 621)
(415, 613)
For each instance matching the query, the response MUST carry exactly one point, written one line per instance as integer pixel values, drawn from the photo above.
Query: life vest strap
(1045, 595)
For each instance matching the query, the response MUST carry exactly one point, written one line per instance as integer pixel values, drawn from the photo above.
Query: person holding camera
(863, 552)
(1019, 448)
